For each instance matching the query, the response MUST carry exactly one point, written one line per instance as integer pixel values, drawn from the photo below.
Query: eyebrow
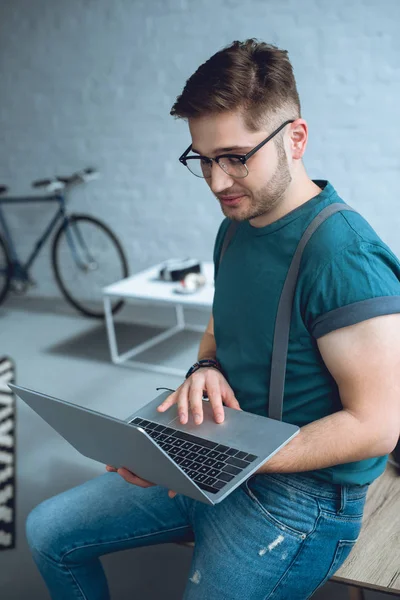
(222, 150)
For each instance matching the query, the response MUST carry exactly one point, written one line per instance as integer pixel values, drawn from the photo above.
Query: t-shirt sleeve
(219, 240)
(359, 283)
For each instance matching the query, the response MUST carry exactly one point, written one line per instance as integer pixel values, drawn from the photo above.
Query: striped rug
(7, 455)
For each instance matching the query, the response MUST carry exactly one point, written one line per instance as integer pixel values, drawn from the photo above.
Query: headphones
(177, 269)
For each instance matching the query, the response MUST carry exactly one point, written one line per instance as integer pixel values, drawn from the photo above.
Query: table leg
(180, 316)
(112, 341)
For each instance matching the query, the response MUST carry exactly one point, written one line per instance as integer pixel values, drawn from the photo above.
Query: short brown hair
(251, 76)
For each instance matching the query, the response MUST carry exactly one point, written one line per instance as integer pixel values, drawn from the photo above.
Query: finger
(172, 494)
(182, 404)
(110, 468)
(196, 399)
(132, 478)
(229, 398)
(168, 402)
(214, 395)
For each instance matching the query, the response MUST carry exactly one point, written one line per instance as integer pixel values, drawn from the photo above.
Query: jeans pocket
(284, 506)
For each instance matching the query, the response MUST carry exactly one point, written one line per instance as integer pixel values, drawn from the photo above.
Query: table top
(374, 562)
(146, 286)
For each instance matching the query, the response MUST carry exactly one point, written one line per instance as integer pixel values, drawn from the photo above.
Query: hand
(189, 396)
(130, 477)
(134, 479)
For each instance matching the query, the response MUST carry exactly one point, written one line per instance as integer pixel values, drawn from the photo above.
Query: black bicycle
(86, 255)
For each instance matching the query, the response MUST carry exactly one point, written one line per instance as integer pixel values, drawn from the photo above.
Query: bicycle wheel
(5, 270)
(86, 257)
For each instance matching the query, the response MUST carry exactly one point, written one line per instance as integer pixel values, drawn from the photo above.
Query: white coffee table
(146, 288)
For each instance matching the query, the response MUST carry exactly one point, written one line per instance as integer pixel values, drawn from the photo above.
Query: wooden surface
(374, 562)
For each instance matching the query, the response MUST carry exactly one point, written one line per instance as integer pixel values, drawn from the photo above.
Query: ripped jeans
(275, 537)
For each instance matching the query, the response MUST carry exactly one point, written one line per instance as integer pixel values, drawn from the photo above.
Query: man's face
(269, 174)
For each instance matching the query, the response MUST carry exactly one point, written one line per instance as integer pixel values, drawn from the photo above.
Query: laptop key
(144, 423)
(219, 465)
(240, 455)
(196, 465)
(187, 464)
(213, 472)
(201, 459)
(187, 446)
(225, 477)
(136, 421)
(203, 451)
(210, 480)
(221, 456)
(237, 463)
(209, 462)
(213, 454)
(187, 437)
(162, 437)
(231, 451)
(179, 459)
(192, 455)
(205, 470)
(219, 484)
(174, 450)
(199, 477)
(169, 431)
(208, 488)
(250, 457)
(231, 469)
(183, 453)
(221, 448)
(160, 428)
(177, 443)
(192, 473)
(166, 447)
(151, 426)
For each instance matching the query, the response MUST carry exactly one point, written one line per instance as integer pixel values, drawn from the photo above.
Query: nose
(219, 180)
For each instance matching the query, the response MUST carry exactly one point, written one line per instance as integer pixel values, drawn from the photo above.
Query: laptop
(205, 462)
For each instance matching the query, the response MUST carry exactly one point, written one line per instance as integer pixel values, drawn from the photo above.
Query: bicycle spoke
(87, 257)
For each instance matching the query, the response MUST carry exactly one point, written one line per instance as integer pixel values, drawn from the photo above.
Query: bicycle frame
(20, 270)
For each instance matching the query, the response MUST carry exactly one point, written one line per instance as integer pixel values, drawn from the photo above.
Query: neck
(300, 190)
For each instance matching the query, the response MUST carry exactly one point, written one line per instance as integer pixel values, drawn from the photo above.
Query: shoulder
(344, 235)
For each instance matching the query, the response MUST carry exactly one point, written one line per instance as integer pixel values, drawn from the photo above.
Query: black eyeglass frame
(243, 158)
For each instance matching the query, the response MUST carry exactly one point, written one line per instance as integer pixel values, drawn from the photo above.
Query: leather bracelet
(204, 362)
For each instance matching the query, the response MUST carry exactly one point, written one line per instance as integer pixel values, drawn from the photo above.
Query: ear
(298, 135)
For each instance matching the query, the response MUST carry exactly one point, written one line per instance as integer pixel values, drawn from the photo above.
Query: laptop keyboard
(209, 464)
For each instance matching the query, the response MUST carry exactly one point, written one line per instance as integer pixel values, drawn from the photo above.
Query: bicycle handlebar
(60, 183)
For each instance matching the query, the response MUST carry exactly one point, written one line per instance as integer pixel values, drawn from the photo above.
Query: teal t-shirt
(347, 275)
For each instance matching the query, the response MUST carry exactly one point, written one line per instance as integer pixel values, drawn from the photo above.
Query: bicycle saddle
(60, 182)
(51, 185)
(79, 176)
(3, 189)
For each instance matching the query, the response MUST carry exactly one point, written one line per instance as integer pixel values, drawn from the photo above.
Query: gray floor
(66, 355)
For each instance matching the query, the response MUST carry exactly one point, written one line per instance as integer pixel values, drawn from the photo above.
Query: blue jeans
(275, 537)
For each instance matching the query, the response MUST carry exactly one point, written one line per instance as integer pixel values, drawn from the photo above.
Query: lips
(231, 200)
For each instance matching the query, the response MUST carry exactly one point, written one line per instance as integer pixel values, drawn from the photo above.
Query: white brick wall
(88, 82)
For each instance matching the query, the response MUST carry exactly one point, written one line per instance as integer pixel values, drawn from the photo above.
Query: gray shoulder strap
(228, 236)
(284, 314)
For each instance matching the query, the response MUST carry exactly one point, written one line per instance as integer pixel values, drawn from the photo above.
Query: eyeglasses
(234, 165)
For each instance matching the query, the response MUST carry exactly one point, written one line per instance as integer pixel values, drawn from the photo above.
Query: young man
(290, 526)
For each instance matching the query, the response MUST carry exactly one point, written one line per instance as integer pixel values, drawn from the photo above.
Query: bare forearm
(336, 439)
(207, 348)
